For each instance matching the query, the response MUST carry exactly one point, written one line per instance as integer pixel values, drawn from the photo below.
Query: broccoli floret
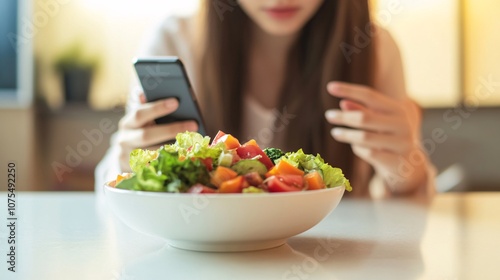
(274, 153)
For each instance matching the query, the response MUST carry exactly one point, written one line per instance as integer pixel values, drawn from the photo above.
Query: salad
(193, 164)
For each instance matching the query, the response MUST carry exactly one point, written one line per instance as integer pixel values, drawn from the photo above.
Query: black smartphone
(166, 77)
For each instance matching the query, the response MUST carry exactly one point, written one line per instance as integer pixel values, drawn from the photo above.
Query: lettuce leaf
(149, 180)
(194, 145)
(140, 158)
(332, 176)
(180, 174)
(163, 171)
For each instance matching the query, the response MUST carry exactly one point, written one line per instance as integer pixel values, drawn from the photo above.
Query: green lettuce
(180, 174)
(332, 176)
(194, 145)
(150, 180)
(165, 173)
(140, 158)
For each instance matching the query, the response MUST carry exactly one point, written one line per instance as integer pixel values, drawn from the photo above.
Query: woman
(309, 74)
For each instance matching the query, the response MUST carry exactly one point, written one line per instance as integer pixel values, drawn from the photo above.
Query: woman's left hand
(383, 131)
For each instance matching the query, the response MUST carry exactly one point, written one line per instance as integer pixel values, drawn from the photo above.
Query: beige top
(174, 37)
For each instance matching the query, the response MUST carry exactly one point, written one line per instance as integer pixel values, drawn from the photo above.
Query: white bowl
(223, 222)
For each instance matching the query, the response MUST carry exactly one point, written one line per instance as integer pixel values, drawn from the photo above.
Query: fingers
(148, 112)
(142, 98)
(383, 161)
(364, 119)
(153, 135)
(348, 105)
(371, 140)
(362, 94)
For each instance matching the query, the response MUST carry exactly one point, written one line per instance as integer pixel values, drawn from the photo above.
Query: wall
(449, 48)
(469, 144)
(110, 31)
(16, 144)
(482, 45)
(427, 32)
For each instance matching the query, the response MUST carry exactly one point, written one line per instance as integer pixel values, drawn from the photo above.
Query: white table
(74, 236)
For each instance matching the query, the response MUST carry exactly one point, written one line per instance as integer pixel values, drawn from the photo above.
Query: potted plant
(76, 70)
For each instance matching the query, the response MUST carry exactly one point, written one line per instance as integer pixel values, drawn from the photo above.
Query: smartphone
(166, 77)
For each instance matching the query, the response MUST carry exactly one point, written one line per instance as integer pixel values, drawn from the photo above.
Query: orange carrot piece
(221, 174)
(314, 181)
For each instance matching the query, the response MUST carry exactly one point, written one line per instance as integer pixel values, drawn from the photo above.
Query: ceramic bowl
(223, 222)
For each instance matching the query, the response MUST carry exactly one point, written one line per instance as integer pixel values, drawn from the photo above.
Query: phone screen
(165, 77)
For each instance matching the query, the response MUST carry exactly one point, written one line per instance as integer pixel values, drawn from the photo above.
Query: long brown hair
(314, 60)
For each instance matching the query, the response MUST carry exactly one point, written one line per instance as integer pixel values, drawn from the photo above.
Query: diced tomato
(199, 188)
(292, 180)
(284, 168)
(209, 163)
(217, 137)
(221, 174)
(250, 151)
(235, 185)
(274, 184)
(253, 179)
(314, 181)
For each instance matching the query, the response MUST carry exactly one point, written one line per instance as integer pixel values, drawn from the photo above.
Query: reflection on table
(453, 236)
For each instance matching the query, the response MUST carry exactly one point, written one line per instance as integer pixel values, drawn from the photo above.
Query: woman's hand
(137, 128)
(383, 131)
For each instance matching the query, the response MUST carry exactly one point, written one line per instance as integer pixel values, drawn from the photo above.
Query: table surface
(75, 236)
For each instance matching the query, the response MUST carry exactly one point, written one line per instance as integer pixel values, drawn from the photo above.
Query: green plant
(75, 57)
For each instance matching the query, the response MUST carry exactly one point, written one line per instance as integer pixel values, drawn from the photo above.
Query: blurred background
(65, 71)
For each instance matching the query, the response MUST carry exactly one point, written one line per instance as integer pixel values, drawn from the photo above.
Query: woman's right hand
(137, 128)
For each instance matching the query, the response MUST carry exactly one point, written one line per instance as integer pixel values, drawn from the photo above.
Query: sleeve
(164, 39)
(390, 80)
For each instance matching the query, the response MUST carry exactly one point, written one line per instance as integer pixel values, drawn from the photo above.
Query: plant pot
(77, 84)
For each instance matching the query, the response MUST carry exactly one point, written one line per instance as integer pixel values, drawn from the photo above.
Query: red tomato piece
(209, 163)
(217, 137)
(251, 151)
(292, 180)
(274, 184)
(199, 188)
